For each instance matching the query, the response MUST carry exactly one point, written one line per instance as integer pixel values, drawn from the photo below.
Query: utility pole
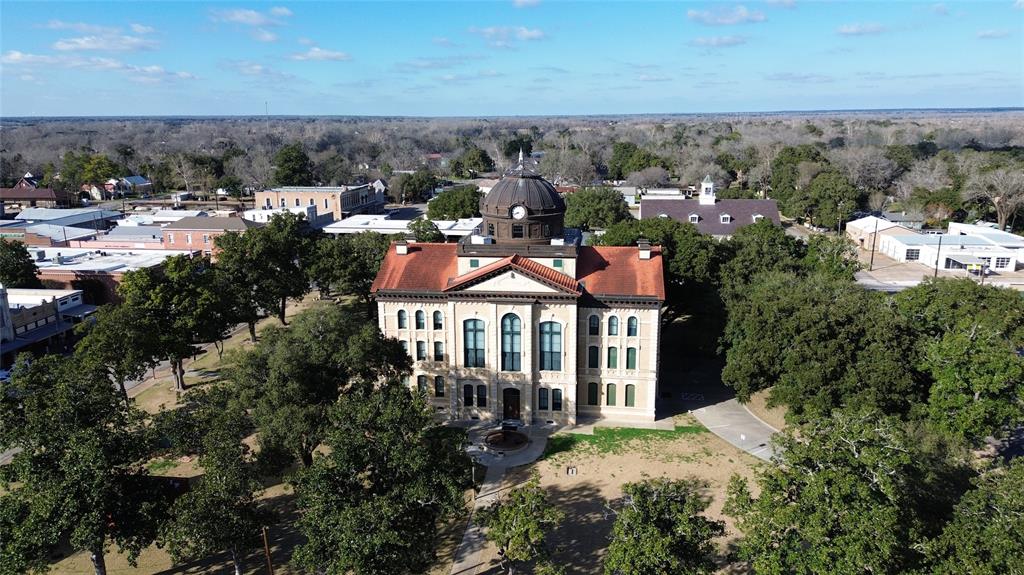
(874, 238)
(266, 551)
(938, 256)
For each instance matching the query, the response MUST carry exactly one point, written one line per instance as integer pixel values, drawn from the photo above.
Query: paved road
(734, 423)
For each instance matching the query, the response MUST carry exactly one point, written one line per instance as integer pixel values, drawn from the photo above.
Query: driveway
(735, 424)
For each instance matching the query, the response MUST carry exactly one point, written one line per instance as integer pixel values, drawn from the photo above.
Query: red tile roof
(619, 271)
(524, 265)
(600, 271)
(426, 268)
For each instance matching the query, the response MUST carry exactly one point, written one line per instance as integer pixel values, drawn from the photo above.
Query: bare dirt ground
(587, 497)
(773, 416)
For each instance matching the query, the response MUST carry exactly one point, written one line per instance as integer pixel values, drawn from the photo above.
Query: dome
(522, 185)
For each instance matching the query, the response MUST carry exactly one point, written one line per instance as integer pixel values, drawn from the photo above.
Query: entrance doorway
(510, 401)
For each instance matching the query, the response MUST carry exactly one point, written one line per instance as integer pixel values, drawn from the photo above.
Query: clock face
(519, 212)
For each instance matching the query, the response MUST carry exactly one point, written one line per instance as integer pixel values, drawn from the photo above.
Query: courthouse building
(520, 321)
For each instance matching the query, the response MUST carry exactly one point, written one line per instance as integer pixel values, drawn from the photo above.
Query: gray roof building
(720, 218)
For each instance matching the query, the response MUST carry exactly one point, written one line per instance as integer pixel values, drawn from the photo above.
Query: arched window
(421, 319)
(467, 395)
(632, 326)
(595, 325)
(556, 400)
(511, 342)
(551, 346)
(481, 396)
(473, 342)
(631, 395)
(630, 358)
(403, 319)
(542, 399)
(593, 357)
(421, 383)
(592, 394)
(438, 386)
(613, 358)
(613, 325)
(610, 395)
(438, 320)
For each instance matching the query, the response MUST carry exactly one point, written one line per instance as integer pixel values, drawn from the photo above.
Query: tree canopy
(371, 504)
(455, 203)
(628, 158)
(659, 529)
(424, 230)
(595, 209)
(292, 166)
(519, 524)
(17, 268)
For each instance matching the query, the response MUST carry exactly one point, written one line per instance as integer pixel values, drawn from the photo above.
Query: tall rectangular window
(467, 395)
(438, 351)
(594, 325)
(556, 400)
(511, 342)
(613, 325)
(473, 342)
(609, 397)
(551, 346)
(438, 386)
(592, 390)
(593, 357)
(542, 399)
(630, 358)
(421, 383)
(421, 351)
(421, 319)
(631, 395)
(481, 396)
(613, 358)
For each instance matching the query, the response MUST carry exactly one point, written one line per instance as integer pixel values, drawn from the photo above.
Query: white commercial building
(383, 224)
(949, 251)
(263, 215)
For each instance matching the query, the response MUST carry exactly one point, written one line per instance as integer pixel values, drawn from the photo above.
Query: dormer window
(725, 218)
(758, 217)
(694, 218)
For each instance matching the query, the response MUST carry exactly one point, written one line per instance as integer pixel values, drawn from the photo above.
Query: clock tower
(523, 208)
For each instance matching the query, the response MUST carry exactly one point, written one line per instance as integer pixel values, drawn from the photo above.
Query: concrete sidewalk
(737, 425)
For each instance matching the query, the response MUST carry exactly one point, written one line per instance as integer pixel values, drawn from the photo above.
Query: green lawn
(613, 439)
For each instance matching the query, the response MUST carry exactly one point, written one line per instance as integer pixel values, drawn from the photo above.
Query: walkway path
(469, 555)
(736, 424)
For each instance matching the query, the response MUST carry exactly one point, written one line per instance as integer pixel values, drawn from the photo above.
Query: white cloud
(256, 70)
(16, 58)
(444, 42)
(992, 34)
(718, 41)
(865, 29)
(104, 44)
(319, 54)
(263, 35)
(940, 9)
(1019, 4)
(525, 3)
(142, 28)
(307, 42)
(726, 17)
(436, 63)
(82, 27)
(249, 17)
(507, 36)
(791, 78)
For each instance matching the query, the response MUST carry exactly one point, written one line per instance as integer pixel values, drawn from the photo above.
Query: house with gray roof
(720, 218)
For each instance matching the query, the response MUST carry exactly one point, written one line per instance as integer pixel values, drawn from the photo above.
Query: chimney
(402, 247)
(645, 248)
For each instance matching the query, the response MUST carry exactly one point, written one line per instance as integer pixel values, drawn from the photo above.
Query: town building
(199, 233)
(95, 218)
(38, 319)
(160, 217)
(309, 213)
(950, 251)
(338, 201)
(96, 272)
(27, 193)
(719, 218)
(384, 224)
(522, 322)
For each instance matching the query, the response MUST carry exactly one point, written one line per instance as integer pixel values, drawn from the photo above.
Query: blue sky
(513, 57)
